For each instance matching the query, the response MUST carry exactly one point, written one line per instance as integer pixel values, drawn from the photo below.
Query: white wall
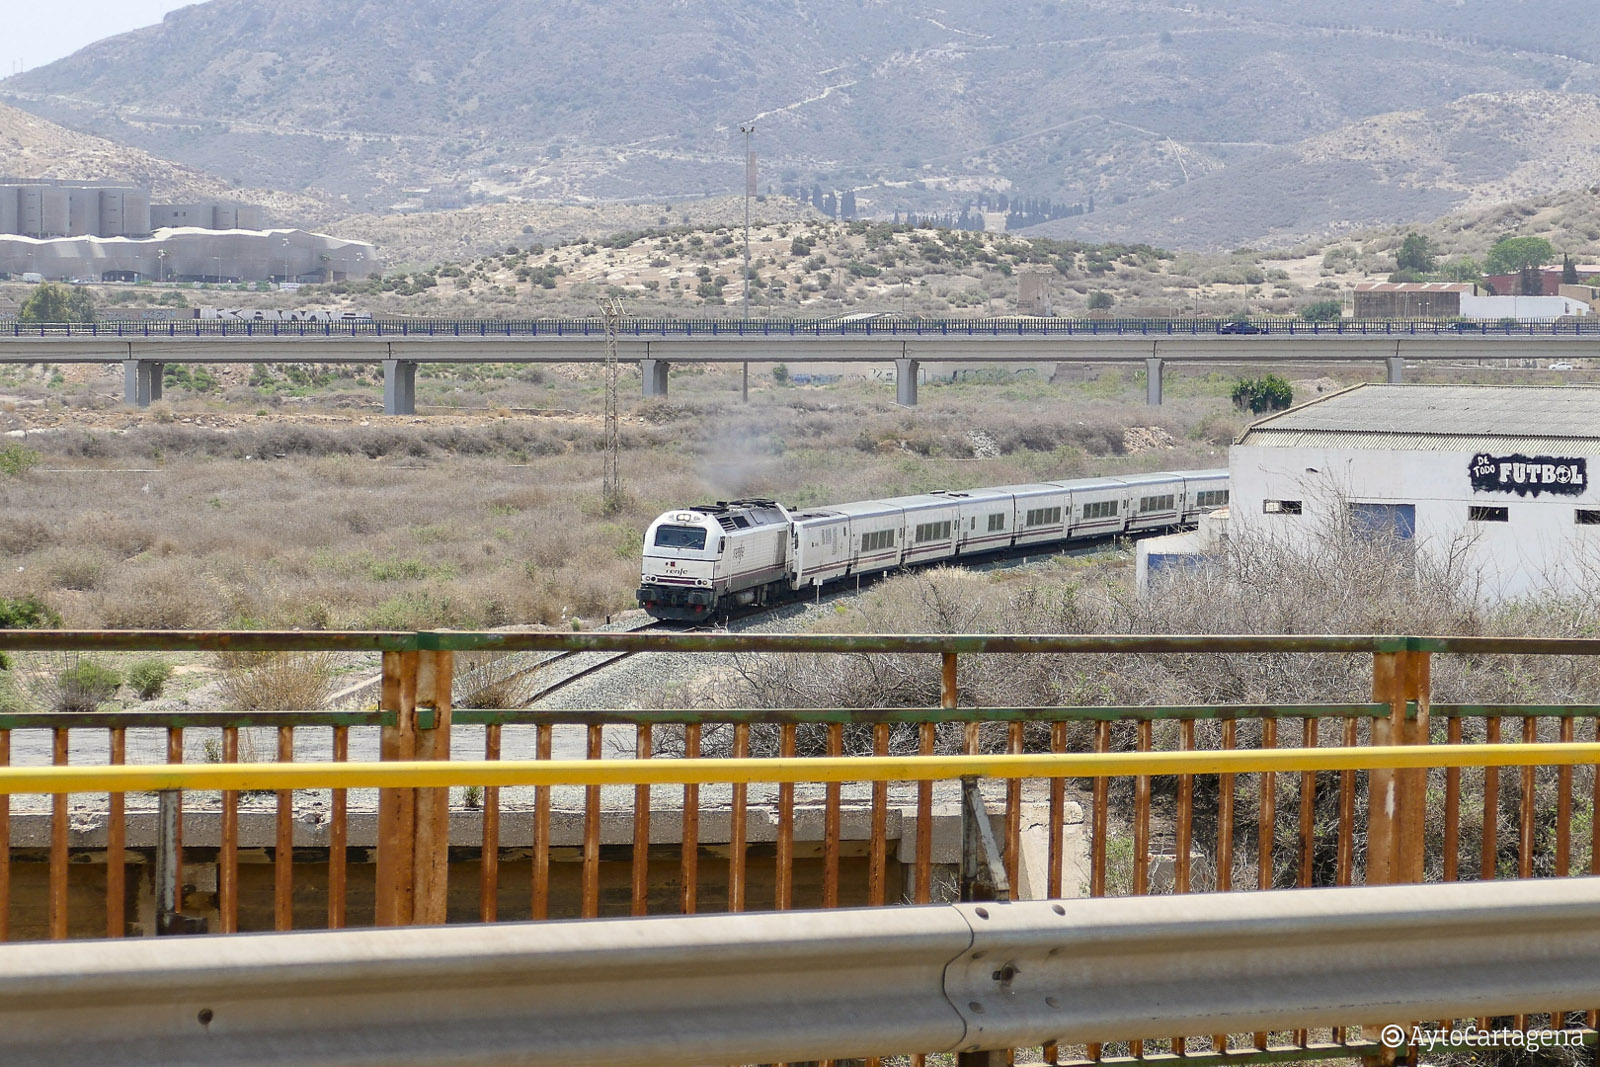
(1522, 308)
(1541, 546)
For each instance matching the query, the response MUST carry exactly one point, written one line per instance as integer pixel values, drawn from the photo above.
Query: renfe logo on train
(1529, 475)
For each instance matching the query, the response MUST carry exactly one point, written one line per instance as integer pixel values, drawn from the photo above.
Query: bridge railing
(708, 809)
(399, 329)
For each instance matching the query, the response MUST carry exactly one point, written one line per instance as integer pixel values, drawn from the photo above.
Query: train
(707, 560)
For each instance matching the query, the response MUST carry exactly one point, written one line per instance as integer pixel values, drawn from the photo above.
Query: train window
(933, 531)
(877, 540)
(1100, 509)
(1282, 507)
(997, 522)
(680, 537)
(1587, 517)
(1157, 503)
(1043, 517)
(1211, 498)
(1478, 513)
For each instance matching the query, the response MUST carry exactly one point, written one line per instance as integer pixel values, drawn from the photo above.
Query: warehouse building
(190, 255)
(206, 217)
(1496, 475)
(44, 208)
(1410, 300)
(1449, 300)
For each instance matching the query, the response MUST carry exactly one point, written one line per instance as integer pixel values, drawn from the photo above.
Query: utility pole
(611, 481)
(749, 191)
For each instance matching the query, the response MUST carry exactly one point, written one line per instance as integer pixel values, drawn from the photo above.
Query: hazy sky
(37, 33)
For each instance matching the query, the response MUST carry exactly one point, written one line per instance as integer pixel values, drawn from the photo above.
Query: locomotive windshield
(680, 537)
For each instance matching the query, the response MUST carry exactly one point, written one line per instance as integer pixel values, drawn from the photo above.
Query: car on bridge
(1240, 327)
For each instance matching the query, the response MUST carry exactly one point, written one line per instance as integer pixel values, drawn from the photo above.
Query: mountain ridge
(1403, 167)
(910, 104)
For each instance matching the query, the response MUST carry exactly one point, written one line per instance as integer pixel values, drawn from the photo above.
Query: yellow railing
(433, 775)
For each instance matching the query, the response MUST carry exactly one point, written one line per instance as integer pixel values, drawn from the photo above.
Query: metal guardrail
(968, 979)
(390, 329)
(1276, 824)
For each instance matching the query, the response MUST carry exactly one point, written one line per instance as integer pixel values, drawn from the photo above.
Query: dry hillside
(907, 105)
(1400, 167)
(32, 147)
(428, 237)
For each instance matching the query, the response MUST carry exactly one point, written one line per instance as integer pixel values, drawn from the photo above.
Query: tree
(57, 303)
(1322, 311)
(1415, 255)
(1511, 254)
(1569, 270)
(1099, 300)
(1261, 395)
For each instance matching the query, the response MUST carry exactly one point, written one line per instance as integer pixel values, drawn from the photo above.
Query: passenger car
(702, 561)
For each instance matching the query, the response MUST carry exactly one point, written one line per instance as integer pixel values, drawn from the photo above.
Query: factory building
(110, 232)
(1497, 476)
(44, 208)
(190, 255)
(207, 216)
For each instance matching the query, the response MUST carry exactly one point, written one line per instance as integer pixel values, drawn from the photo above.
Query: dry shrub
(494, 680)
(1341, 584)
(277, 681)
(1218, 429)
(123, 537)
(19, 536)
(167, 594)
(80, 569)
(69, 682)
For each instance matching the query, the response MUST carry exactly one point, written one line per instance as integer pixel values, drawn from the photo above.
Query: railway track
(604, 660)
(587, 664)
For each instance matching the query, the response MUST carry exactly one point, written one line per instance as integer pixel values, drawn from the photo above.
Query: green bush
(148, 677)
(16, 460)
(1322, 311)
(27, 613)
(57, 303)
(85, 685)
(1261, 395)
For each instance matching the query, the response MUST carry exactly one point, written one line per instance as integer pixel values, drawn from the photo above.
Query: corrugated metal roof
(1440, 418)
(1400, 442)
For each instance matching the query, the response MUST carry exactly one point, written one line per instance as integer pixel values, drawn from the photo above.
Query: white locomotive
(702, 560)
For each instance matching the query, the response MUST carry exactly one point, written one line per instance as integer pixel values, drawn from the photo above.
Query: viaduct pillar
(1397, 368)
(142, 381)
(1152, 385)
(654, 372)
(399, 387)
(905, 382)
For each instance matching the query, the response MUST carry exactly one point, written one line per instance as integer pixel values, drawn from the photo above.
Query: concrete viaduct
(144, 349)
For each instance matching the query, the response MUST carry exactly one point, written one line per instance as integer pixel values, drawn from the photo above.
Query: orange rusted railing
(383, 857)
